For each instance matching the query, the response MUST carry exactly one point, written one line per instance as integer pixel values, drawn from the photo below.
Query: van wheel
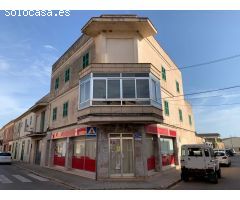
(214, 177)
(185, 177)
(219, 173)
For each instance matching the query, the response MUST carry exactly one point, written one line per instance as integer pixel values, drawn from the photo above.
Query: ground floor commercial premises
(113, 150)
(21, 149)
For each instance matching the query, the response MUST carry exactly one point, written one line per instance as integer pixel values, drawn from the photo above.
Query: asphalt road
(230, 179)
(14, 178)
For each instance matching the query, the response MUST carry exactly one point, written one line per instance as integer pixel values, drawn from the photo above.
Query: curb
(48, 177)
(71, 187)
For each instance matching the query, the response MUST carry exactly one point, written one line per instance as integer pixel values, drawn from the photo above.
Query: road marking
(37, 177)
(21, 178)
(4, 179)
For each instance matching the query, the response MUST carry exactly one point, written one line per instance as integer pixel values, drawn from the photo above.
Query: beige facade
(116, 106)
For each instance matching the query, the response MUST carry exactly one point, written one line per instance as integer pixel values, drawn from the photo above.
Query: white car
(5, 158)
(223, 158)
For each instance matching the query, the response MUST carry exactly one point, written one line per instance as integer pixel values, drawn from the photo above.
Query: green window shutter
(65, 109)
(85, 60)
(180, 115)
(190, 120)
(166, 108)
(177, 87)
(54, 116)
(67, 75)
(164, 77)
(56, 83)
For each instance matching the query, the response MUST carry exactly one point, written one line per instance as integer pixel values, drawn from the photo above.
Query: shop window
(84, 156)
(59, 154)
(167, 151)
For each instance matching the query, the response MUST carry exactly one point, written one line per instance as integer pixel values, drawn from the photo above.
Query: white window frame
(153, 102)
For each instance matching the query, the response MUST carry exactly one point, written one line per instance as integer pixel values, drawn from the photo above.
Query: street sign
(137, 136)
(91, 131)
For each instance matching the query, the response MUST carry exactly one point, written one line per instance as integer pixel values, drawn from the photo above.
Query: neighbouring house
(21, 141)
(1, 139)
(232, 143)
(8, 136)
(213, 138)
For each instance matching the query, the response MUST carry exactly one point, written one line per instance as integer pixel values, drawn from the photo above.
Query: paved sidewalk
(161, 181)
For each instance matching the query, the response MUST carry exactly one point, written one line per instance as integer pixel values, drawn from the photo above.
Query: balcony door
(121, 155)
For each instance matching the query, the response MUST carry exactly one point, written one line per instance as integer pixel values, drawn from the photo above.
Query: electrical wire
(203, 92)
(207, 63)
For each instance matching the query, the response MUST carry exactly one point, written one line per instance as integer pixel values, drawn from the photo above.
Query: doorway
(121, 155)
(38, 152)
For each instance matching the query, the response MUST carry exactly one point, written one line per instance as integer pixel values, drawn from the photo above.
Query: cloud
(50, 47)
(4, 65)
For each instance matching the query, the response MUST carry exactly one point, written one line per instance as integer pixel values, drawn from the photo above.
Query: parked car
(5, 158)
(222, 157)
(197, 160)
(230, 152)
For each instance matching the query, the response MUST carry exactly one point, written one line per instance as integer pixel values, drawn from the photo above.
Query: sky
(30, 45)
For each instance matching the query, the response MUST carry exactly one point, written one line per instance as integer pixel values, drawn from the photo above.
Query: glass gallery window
(119, 89)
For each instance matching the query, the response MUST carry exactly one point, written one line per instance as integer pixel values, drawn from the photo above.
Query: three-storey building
(117, 106)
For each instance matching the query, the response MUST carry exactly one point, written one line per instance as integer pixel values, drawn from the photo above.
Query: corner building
(116, 103)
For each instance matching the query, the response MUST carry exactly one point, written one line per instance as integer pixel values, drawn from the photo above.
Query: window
(142, 88)
(166, 108)
(65, 109)
(180, 115)
(206, 152)
(120, 89)
(99, 89)
(85, 60)
(67, 75)
(190, 120)
(113, 89)
(128, 89)
(56, 83)
(196, 152)
(164, 77)
(177, 87)
(54, 116)
(26, 124)
(30, 120)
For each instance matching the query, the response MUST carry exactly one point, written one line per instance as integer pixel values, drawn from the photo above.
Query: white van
(198, 160)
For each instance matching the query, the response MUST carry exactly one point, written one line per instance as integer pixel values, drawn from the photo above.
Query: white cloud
(4, 65)
(48, 46)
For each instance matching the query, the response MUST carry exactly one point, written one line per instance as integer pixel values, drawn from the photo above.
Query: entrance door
(121, 155)
(22, 151)
(37, 153)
